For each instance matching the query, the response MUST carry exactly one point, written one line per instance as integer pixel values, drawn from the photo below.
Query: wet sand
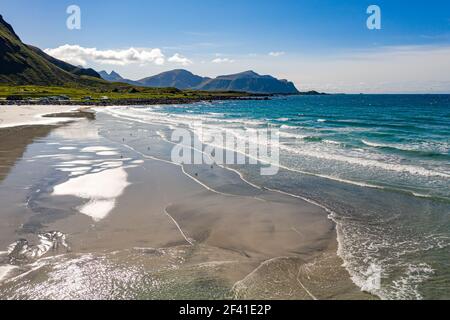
(21, 125)
(171, 235)
(14, 140)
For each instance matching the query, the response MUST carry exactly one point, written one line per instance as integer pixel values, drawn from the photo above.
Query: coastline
(27, 115)
(131, 102)
(309, 254)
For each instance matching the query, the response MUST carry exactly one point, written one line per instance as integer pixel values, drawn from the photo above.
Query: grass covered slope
(29, 75)
(113, 92)
(21, 64)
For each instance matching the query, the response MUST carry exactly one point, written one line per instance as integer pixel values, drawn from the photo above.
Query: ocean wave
(379, 259)
(371, 163)
(282, 119)
(430, 150)
(379, 124)
(291, 135)
(411, 275)
(290, 126)
(326, 155)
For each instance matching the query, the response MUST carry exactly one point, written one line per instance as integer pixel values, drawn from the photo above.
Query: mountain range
(248, 81)
(22, 64)
(115, 77)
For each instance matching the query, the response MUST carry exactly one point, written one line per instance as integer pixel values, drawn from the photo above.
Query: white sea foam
(146, 117)
(437, 147)
(406, 286)
(22, 249)
(336, 143)
(396, 167)
(285, 126)
(373, 144)
(292, 135)
(5, 271)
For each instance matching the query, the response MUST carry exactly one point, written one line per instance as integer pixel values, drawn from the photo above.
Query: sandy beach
(123, 222)
(13, 116)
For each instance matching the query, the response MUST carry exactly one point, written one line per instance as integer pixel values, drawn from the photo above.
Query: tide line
(190, 241)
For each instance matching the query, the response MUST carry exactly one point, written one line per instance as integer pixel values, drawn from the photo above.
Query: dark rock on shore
(128, 102)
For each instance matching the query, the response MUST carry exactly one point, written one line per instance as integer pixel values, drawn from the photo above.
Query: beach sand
(14, 140)
(13, 116)
(168, 235)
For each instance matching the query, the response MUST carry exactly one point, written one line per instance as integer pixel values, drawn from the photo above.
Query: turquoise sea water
(379, 163)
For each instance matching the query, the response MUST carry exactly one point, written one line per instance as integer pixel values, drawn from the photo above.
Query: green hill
(21, 64)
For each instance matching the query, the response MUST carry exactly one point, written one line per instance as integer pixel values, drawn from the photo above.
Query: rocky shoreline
(127, 102)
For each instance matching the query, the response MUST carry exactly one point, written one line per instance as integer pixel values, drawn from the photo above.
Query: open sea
(380, 164)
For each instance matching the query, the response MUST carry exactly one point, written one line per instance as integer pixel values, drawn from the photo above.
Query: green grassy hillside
(21, 64)
(113, 91)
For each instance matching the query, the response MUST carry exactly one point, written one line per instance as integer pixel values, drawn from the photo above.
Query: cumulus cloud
(177, 58)
(277, 53)
(78, 55)
(222, 60)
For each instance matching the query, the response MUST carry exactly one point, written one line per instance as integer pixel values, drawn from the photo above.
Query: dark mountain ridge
(22, 64)
(248, 81)
(179, 78)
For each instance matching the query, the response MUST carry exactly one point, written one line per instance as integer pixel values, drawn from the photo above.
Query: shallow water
(96, 210)
(379, 164)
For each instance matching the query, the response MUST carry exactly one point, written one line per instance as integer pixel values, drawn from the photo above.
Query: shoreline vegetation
(119, 94)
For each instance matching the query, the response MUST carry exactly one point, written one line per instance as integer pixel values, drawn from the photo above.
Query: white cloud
(78, 55)
(222, 60)
(277, 53)
(177, 58)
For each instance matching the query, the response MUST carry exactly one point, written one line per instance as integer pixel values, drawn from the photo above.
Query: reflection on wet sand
(14, 142)
(169, 234)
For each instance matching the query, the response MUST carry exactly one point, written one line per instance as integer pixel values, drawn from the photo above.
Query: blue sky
(320, 44)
